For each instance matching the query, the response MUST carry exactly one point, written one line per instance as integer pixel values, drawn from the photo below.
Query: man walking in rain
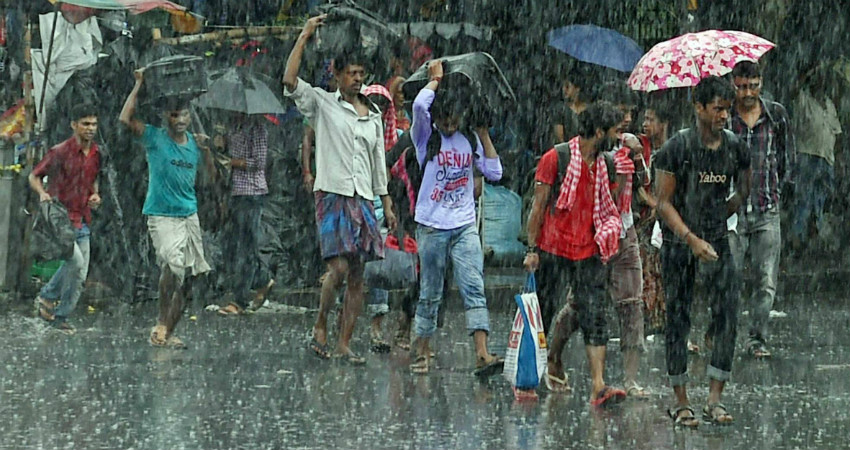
(72, 168)
(249, 146)
(350, 173)
(568, 242)
(445, 214)
(694, 172)
(764, 127)
(171, 206)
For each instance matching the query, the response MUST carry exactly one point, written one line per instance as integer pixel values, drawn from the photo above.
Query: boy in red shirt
(571, 233)
(72, 168)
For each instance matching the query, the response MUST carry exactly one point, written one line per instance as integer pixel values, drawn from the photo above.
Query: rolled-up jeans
(679, 269)
(463, 246)
(757, 245)
(66, 285)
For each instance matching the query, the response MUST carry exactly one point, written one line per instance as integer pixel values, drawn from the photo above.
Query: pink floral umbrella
(686, 59)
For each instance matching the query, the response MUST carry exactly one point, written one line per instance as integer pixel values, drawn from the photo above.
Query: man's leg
(723, 289)
(246, 229)
(171, 303)
(805, 195)
(433, 254)
(553, 293)
(352, 305)
(468, 264)
(77, 273)
(590, 299)
(337, 272)
(677, 272)
(625, 284)
(765, 249)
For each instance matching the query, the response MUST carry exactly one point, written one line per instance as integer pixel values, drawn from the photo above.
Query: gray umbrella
(240, 91)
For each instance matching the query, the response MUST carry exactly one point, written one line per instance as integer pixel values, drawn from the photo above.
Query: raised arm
(290, 76)
(420, 130)
(128, 112)
(490, 165)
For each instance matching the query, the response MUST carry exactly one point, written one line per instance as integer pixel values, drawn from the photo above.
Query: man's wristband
(685, 237)
(531, 249)
(437, 79)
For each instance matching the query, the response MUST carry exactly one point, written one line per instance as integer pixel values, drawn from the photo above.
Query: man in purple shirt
(248, 146)
(445, 214)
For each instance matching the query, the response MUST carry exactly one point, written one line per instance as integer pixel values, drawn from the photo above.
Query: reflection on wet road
(249, 383)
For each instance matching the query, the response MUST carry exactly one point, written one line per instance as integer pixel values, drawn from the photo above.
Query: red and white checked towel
(390, 133)
(606, 216)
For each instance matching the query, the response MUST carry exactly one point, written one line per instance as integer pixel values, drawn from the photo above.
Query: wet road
(249, 383)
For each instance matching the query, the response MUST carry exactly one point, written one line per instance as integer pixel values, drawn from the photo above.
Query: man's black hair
(599, 115)
(168, 104)
(713, 87)
(83, 110)
(347, 58)
(583, 78)
(746, 69)
(615, 92)
(663, 110)
(452, 99)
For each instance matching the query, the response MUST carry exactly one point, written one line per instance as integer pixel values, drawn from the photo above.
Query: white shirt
(349, 148)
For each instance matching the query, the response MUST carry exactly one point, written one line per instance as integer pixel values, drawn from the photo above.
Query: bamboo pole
(231, 35)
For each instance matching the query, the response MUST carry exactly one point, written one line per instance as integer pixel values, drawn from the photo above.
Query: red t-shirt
(71, 176)
(568, 234)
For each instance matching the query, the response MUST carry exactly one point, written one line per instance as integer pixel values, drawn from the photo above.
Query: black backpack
(564, 157)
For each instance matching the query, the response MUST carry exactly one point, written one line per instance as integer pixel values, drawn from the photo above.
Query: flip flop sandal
(231, 310)
(682, 420)
(494, 367)
(421, 366)
(608, 396)
(717, 414)
(558, 385)
(524, 395)
(378, 345)
(637, 392)
(759, 351)
(157, 337)
(352, 359)
(45, 309)
(320, 350)
(175, 343)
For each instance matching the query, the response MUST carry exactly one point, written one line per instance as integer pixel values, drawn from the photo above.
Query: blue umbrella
(597, 45)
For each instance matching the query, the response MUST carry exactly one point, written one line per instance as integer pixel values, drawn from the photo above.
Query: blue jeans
(815, 181)
(757, 247)
(66, 285)
(463, 246)
(247, 212)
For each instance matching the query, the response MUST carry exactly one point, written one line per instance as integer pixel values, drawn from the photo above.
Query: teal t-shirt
(171, 169)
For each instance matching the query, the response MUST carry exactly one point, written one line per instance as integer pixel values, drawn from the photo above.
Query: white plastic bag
(525, 357)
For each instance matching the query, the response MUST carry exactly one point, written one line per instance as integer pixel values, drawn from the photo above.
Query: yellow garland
(12, 168)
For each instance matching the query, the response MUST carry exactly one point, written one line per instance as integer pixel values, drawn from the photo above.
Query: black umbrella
(349, 27)
(478, 71)
(240, 91)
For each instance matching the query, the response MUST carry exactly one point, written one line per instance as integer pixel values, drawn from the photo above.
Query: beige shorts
(179, 244)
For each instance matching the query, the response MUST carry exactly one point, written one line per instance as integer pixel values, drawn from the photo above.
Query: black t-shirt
(703, 180)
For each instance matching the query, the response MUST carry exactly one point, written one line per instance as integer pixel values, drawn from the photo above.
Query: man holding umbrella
(350, 173)
(694, 173)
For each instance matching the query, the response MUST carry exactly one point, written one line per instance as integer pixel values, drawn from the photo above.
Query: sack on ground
(525, 358)
(398, 268)
(53, 234)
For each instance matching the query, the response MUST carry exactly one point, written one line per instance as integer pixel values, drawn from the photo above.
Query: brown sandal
(45, 309)
(232, 309)
(158, 337)
(422, 365)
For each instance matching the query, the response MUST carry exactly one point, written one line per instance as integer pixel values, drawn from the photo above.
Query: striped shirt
(251, 144)
(771, 145)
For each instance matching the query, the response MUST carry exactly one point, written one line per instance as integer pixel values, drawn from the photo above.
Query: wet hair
(599, 115)
(664, 112)
(746, 69)
(168, 104)
(347, 58)
(713, 87)
(452, 98)
(615, 92)
(582, 78)
(83, 110)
